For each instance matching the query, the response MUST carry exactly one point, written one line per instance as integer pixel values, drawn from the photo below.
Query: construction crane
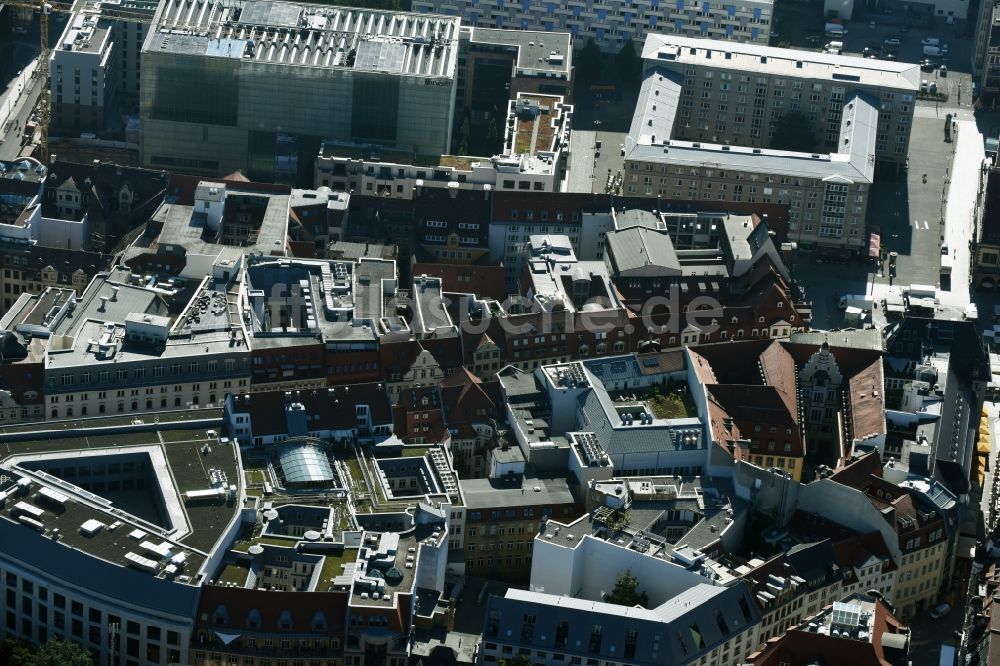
(44, 104)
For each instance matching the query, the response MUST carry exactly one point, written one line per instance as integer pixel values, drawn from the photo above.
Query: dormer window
(253, 619)
(285, 620)
(221, 616)
(319, 621)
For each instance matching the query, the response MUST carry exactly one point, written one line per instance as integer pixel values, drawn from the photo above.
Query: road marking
(926, 226)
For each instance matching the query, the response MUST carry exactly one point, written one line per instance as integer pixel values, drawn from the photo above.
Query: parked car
(930, 41)
(944, 49)
(892, 41)
(871, 24)
(20, 30)
(943, 70)
(933, 86)
(924, 87)
(927, 66)
(940, 611)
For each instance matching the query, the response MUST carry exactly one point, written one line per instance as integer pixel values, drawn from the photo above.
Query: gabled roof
(398, 356)
(886, 646)
(858, 473)
(466, 398)
(778, 368)
(858, 550)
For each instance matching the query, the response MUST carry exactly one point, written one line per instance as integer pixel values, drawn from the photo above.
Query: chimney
(104, 303)
(114, 293)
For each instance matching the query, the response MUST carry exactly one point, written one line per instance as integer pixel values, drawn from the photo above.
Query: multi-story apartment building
(131, 23)
(795, 404)
(612, 25)
(565, 617)
(856, 629)
(120, 579)
(794, 585)
(96, 66)
(151, 550)
(922, 517)
(84, 74)
(986, 245)
(120, 352)
(532, 158)
(499, 64)
(587, 218)
(502, 518)
(260, 68)
(708, 112)
(989, 75)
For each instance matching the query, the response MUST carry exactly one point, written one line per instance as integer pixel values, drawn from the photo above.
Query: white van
(946, 264)
(835, 47)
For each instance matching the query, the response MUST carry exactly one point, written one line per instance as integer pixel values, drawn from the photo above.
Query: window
(562, 633)
(528, 628)
(596, 632)
(631, 638)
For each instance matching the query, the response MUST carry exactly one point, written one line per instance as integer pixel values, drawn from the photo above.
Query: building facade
(612, 25)
(264, 86)
(533, 157)
(709, 111)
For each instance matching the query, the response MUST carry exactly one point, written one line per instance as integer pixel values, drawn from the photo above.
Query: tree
(626, 592)
(590, 64)
(16, 653)
(628, 61)
(793, 131)
(53, 653)
(62, 653)
(519, 660)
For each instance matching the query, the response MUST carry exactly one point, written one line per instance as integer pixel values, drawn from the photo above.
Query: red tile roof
(805, 648)
(866, 396)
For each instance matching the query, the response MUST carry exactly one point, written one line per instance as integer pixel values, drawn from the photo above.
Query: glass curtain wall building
(259, 85)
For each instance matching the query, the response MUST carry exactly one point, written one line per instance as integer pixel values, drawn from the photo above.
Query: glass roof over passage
(305, 463)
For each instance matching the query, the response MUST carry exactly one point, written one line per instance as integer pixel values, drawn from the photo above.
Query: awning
(226, 638)
(874, 243)
(983, 448)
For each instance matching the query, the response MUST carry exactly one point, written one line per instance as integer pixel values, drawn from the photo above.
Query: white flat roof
(754, 58)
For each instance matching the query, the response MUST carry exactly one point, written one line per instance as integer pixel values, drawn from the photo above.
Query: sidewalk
(12, 99)
(960, 209)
